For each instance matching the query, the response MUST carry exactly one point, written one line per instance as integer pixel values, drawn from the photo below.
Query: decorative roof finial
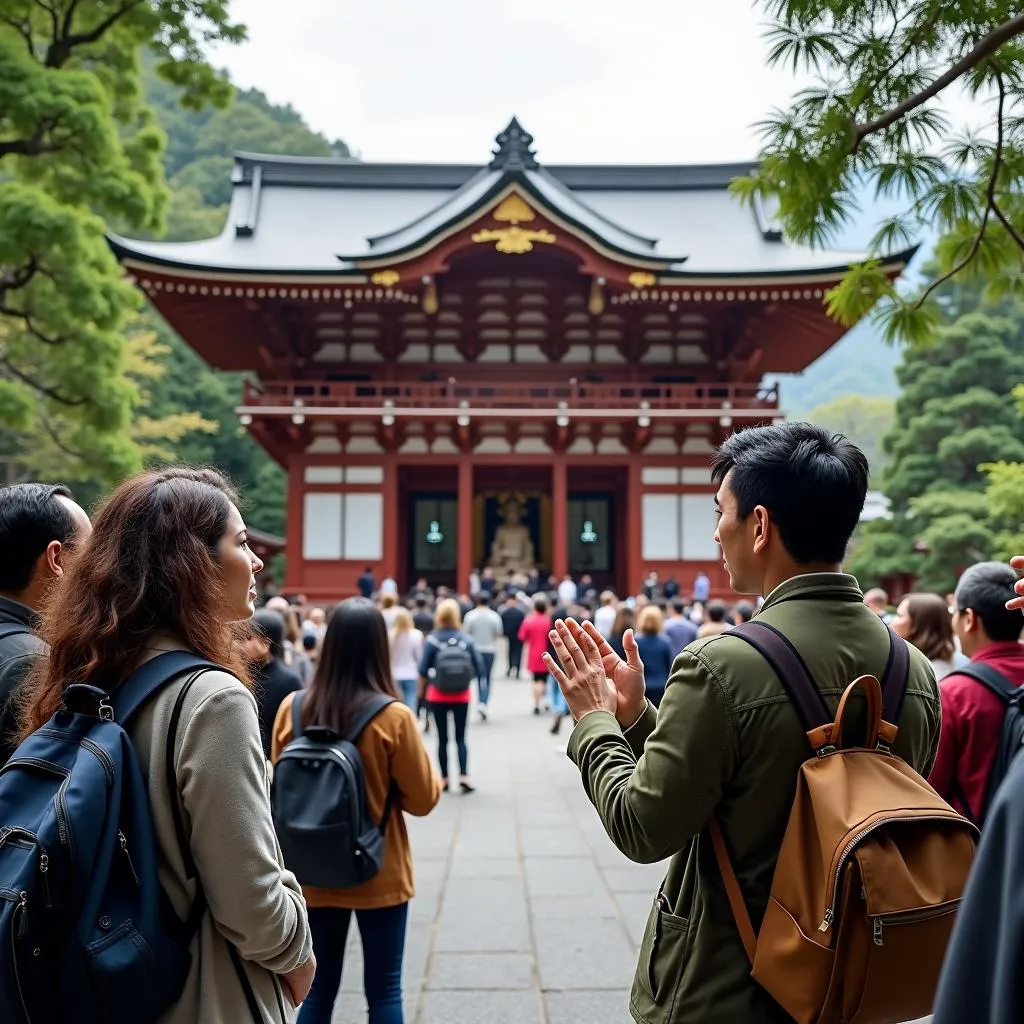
(514, 152)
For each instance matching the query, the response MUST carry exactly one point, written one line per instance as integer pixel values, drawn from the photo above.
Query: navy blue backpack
(87, 934)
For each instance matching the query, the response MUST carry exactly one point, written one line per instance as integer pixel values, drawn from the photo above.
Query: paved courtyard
(525, 913)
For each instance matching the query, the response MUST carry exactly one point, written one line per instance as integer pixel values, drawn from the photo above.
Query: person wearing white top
(604, 617)
(483, 624)
(406, 643)
(567, 591)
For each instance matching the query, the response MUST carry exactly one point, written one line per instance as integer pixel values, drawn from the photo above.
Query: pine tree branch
(1005, 221)
(990, 202)
(985, 47)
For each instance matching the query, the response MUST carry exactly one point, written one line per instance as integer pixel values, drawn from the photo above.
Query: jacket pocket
(660, 964)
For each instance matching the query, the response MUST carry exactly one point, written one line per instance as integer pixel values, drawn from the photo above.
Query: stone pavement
(524, 912)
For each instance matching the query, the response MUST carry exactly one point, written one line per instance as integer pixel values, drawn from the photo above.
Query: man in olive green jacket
(726, 740)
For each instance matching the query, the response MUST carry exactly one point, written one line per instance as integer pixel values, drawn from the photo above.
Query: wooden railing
(487, 399)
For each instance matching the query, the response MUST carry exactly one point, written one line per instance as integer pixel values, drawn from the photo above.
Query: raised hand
(1017, 602)
(626, 676)
(582, 677)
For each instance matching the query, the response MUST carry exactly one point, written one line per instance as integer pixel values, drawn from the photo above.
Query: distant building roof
(315, 216)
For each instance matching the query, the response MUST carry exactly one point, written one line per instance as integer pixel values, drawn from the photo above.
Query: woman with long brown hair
(355, 665)
(924, 621)
(168, 568)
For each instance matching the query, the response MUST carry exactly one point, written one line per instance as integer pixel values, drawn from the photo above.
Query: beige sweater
(253, 901)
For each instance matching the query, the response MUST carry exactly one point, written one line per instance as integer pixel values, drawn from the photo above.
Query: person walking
(483, 624)
(534, 633)
(272, 679)
(972, 715)
(40, 524)
(924, 621)
(512, 616)
(168, 568)
(655, 652)
(604, 617)
(446, 681)
(726, 741)
(355, 665)
(679, 630)
(406, 650)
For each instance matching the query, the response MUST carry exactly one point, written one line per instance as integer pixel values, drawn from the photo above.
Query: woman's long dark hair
(150, 567)
(931, 626)
(355, 662)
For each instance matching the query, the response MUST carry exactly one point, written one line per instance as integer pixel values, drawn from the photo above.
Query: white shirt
(566, 593)
(484, 626)
(406, 651)
(604, 619)
(388, 586)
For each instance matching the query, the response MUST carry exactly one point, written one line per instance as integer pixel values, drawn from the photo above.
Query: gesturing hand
(582, 678)
(626, 676)
(1017, 602)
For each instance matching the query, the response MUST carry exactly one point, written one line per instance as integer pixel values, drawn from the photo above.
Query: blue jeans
(409, 688)
(484, 682)
(555, 698)
(383, 935)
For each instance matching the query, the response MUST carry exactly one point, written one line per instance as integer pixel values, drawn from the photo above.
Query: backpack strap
(151, 676)
(377, 703)
(732, 890)
(895, 678)
(296, 714)
(992, 679)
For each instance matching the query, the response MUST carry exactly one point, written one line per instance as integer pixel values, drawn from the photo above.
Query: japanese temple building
(432, 349)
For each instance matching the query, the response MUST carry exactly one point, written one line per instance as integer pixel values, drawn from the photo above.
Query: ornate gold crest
(385, 277)
(641, 279)
(515, 240)
(514, 209)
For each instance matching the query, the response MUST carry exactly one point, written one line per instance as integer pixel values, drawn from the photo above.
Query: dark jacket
(18, 653)
(511, 619)
(272, 682)
(656, 654)
(726, 741)
(981, 979)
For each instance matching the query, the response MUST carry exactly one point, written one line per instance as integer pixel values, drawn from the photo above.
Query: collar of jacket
(18, 612)
(829, 586)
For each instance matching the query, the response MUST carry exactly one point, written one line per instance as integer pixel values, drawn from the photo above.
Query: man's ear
(970, 620)
(762, 527)
(54, 556)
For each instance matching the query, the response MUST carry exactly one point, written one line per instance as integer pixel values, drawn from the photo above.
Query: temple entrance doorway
(512, 519)
(596, 524)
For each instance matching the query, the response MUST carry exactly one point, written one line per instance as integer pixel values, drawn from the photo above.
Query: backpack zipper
(63, 827)
(20, 934)
(44, 869)
(101, 755)
(830, 911)
(879, 921)
(128, 857)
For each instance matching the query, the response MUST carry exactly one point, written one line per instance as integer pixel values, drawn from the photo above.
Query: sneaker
(536, 710)
(483, 712)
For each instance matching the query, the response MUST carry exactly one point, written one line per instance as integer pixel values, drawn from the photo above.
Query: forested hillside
(198, 164)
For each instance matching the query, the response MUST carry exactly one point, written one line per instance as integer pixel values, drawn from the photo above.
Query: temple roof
(314, 216)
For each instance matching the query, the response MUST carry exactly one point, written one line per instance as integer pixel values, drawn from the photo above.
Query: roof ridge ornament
(513, 152)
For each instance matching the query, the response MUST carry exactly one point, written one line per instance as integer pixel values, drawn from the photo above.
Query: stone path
(525, 913)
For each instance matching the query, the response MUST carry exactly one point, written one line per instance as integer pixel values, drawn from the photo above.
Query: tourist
(354, 665)
(587, 594)
(272, 679)
(716, 620)
(474, 581)
(679, 631)
(40, 526)
(701, 588)
(389, 609)
(743, 611)
(488, 584)
(655, 652)
(484, 625)
(422, 616)
(726, 740)
(367, 582)
(972, 716)
(670, 591)
(924, 621)
(567, 591)
(512, 616)
(315, 623)
(555, 699)
(878, 601)
(306, 665)
(534, 633)
(604, 617)
(650, 589)
(625, 619)
(405, 643)
(167, 568)
(420, 590)
(442, 700)
(389, 585)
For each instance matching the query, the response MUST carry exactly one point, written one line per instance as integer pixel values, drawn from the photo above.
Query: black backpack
(319, 803)
(1012, 736)
(454, 670)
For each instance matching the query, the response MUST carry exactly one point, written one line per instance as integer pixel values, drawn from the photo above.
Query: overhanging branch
(60, 49)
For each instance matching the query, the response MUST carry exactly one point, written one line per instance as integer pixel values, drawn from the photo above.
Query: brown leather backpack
(872, 867)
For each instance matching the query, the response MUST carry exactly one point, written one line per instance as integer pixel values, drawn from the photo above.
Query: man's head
(483, 599)
(266, 641)
(877, 600)
(39, 525)
(981, 617)
(678, 609)
(716, 611)
(420, 604)
(743, 612)
(421, 583)
(789, 496)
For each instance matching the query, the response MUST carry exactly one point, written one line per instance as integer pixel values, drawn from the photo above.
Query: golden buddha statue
(512, 548)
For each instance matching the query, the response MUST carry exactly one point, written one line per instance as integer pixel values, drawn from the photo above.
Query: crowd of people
(684, 733)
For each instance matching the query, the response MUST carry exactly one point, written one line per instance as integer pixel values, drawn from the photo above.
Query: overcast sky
(677, 81)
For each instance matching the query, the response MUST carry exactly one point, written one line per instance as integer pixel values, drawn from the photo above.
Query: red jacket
(534, 632)
(972, 723)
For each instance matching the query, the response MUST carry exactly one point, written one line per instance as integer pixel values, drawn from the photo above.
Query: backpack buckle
(105, 710)
(86, 699)
(828, 748)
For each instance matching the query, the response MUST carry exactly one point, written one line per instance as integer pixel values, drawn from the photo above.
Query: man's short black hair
(270, 626)
(984, 589)
(679, 607)
(483, 598)
(716, 611)
(811, 481)
(744, 611)
(31, 518)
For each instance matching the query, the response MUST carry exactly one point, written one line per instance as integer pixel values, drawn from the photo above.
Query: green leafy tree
(77, 146)
(954, 416)
(1005, 496)
(864, 420)
(873, 119)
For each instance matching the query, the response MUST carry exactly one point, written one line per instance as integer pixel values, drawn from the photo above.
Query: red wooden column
(389, 565)
(634, 529)
(464, 559)
(293, 563)
(559, 517)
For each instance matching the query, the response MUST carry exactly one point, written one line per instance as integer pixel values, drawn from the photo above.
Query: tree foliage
(79, 146)
(954, 417)
(872, 118)
(864, 420)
